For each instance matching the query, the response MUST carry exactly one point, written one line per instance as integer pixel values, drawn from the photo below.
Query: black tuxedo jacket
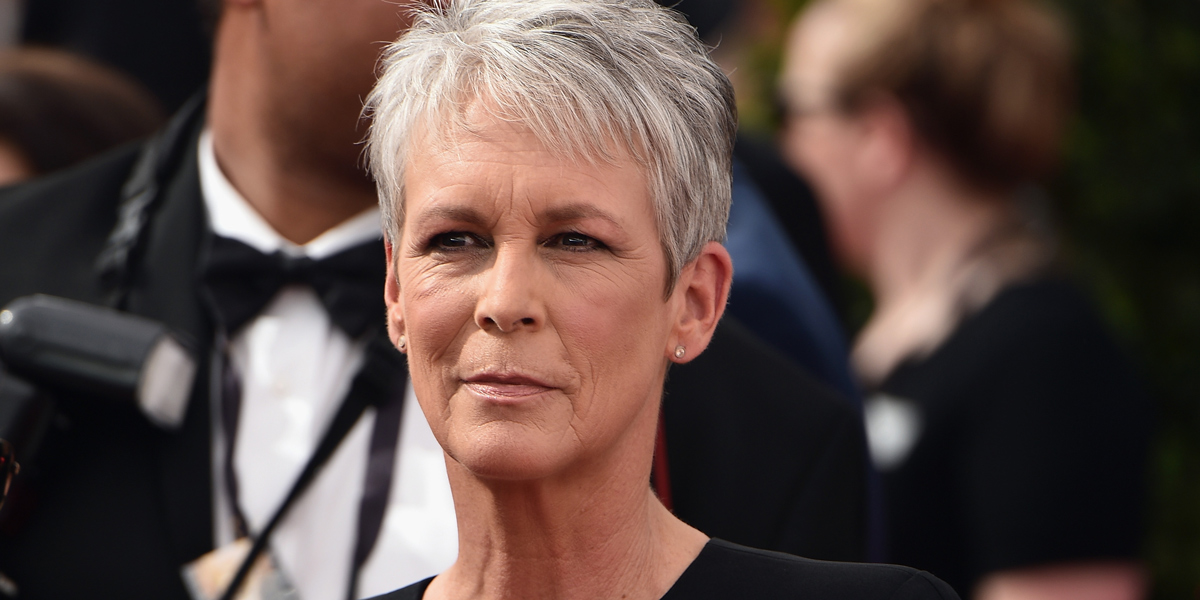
(759, 452)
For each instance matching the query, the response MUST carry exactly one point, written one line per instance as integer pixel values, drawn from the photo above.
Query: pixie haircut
(593, 80)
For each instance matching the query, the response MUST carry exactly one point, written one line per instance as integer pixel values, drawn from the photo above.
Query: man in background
(267, 162)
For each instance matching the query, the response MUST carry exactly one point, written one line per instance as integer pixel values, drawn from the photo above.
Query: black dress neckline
(726, 571)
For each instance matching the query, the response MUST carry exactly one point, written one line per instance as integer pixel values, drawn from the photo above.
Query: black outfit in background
(113, 506)
(725, 571)
(795, 205)
(758, 448)
(1034, 444)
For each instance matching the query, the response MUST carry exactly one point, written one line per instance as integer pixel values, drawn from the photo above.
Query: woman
(1009, 432)
(554, 177)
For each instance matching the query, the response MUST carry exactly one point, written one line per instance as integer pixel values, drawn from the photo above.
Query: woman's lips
(505, 386)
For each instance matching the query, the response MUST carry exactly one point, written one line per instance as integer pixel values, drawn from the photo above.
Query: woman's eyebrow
(460, 213)
(469, 215)
(577, 212)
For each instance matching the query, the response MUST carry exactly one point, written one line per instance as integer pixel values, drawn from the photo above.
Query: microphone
(71, 346)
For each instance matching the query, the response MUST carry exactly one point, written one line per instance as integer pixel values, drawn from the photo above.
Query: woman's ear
(700, 296)
(391, 297)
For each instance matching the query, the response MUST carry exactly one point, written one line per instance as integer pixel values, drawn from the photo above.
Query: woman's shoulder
(1038, 311)
(1044, 333)
(726, 570)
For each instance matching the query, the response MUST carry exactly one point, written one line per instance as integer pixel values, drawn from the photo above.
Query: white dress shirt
(295, 367)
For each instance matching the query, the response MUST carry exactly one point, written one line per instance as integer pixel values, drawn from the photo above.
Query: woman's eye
(574, 241)
(454, 240)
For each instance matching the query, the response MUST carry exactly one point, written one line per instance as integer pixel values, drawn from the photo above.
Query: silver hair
(582, 75)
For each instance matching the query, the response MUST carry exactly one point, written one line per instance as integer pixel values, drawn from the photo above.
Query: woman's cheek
(611, 322)
(598, 302)
(435, 304)
(436, 312)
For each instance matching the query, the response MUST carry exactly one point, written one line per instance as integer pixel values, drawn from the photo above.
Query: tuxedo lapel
(164, 288)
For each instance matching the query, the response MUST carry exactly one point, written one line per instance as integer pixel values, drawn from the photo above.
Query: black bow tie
(240, 281)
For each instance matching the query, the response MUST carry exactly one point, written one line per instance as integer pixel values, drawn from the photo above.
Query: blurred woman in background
(1008, 428)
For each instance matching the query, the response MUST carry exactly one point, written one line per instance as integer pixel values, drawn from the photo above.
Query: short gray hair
(581, 74)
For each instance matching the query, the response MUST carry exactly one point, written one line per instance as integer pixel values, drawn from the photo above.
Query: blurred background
(1127, 202)
(1127, 207)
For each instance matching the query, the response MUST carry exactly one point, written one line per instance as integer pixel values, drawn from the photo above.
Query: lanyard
(380, 382)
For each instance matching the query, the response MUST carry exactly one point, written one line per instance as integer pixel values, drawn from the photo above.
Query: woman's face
(530, 292)
(820, 141)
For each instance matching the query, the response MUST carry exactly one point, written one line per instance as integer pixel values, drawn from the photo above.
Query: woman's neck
(600, 533)
(931, 228)
(925, 242)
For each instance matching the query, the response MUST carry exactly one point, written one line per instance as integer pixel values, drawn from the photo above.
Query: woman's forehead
(483, 119)
(499, 161)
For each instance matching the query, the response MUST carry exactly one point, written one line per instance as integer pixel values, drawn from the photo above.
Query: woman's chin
(511, 451)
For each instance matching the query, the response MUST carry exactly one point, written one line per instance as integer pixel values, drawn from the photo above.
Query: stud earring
(402, 344)
(680, 351)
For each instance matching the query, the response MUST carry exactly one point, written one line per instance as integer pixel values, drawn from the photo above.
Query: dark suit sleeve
(94, 515)
(51, 229)
(762, 454)
(825, 519)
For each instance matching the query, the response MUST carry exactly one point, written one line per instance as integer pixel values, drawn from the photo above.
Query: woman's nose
(511, 296)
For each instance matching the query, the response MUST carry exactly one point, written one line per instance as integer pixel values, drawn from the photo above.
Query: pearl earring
(402, 344)
(680, 351)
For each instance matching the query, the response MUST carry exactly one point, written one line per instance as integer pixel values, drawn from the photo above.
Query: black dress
(1031, 446)
(725, 571)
